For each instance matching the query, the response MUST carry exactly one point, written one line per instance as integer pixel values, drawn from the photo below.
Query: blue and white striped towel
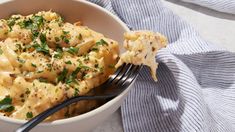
(196, 87)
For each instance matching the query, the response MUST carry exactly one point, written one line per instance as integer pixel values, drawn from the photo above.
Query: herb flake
(6, 104)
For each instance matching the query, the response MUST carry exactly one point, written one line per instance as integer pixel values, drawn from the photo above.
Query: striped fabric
(226, 6)
(196, 87)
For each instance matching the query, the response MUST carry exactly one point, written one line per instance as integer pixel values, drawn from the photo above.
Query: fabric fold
(196, 87)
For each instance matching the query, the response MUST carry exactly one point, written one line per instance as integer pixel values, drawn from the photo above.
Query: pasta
(142, 47)
(44, 61)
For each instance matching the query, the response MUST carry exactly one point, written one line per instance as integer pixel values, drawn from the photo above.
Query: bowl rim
(92, 112)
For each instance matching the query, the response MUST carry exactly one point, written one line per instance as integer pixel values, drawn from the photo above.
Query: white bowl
(94, 17)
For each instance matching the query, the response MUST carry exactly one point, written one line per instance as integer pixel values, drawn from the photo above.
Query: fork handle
(42, 116)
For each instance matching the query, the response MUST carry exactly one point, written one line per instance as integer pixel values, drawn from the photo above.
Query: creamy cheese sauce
(45, 60)
(142, 47)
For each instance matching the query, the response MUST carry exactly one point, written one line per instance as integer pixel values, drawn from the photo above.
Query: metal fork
(119, 81)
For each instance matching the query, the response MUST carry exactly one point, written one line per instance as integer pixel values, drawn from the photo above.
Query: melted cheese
(45, 61)
(142, 47)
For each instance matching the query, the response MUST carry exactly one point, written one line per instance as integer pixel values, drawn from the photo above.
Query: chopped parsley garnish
(35, 34)
(43, 38)
(59, 53)
(65, 32)
(73, 50)
(69, 80)
(72, 77)
(101, 42)
(76, 91)
(85, 67)
(80, 36)
(11, 22)
(28, 24)
(33, 65)
(66, 40)
(6, 104)
(33, 24)
(64, 37)
(1, 51)
(29, 114)
(38, 20)
(68, 62)
(94, 49)
(41, 48)
(62, 75)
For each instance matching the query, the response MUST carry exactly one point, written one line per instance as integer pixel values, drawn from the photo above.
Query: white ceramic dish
(94, 17)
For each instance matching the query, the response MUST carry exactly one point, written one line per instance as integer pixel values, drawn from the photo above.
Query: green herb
(29, 114)
(38, 20)
(11, 22)
(66, 40)
(41, 48)
(101, 42)
(62, 75)
(73, 50)
(43, 38)
(84, 67)
(32, 24)
(76, 91)
(28, 24)
(1, 51)
(68, 62)
(94, 49)
(33, 65)
(64, 37)
(65, 32)
(57, 39)
(79, 36)
(59, 53)
(72, 77)
(6, 104)
(35, 34)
